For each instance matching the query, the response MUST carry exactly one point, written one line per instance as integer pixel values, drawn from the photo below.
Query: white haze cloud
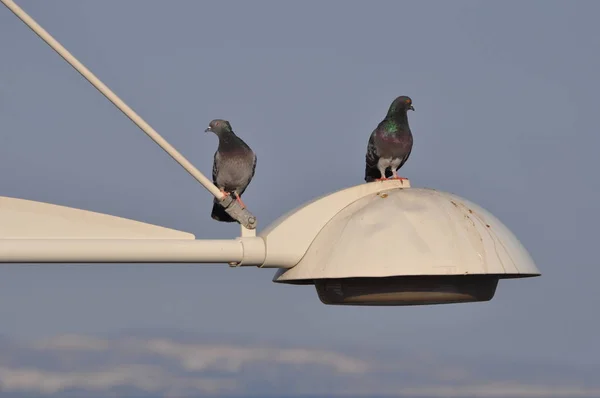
(199, 357)
(170, 367)
(142, 377)
(501, 390)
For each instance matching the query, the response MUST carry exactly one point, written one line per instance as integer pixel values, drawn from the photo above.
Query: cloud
(200, 357)
(502, 390)
(73, 342)
(145, 378)
(90, 366)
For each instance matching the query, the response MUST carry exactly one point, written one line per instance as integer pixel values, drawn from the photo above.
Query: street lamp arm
(241, 251)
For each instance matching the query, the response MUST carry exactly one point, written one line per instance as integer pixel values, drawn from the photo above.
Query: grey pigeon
(233, 167)
(390, 143)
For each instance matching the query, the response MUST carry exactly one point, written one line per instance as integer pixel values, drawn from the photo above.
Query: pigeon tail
(218, 213)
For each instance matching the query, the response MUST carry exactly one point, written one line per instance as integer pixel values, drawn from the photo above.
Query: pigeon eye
(217, 124)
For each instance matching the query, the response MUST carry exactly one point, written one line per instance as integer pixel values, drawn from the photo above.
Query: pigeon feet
(402, 179)
(239, 200)
(237, 197)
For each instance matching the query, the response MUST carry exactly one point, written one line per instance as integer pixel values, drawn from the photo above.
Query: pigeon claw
(399, 178)
(402, 179)
(239, 200)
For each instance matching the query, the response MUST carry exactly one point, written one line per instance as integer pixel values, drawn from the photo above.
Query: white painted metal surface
(37, 232)
(289, 237)
(28, 219)
(120, 251)
(393, 231)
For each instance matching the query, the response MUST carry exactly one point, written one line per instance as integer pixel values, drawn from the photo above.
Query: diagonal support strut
(243, 216)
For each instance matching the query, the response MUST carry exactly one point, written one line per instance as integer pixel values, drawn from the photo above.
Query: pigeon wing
(215, 168)
(371, 159)
(251, 176)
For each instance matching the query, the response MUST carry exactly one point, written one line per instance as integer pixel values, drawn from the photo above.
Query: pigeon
(390, 143)
(233, 167)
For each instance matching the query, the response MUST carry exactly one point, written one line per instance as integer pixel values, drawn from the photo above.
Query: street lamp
(379, 243)
(385, 244)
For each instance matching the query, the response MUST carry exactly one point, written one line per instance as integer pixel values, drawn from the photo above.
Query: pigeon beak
(207, 130)
(412, 108)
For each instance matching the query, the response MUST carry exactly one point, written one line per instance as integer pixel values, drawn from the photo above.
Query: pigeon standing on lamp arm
(233, 166)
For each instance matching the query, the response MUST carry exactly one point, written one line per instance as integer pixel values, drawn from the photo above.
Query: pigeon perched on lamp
(390, 144)
(233, 166)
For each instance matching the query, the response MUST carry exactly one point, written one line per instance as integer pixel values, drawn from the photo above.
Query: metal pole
(245, 251)
(232, 207)
(112, 97)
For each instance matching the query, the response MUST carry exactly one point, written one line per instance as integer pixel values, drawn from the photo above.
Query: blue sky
(506, 101)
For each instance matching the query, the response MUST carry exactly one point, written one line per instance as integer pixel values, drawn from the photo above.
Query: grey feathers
(390, 144)
(233, 166)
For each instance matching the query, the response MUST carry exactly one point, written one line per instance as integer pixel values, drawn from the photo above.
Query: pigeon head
(219, 126)
(401, 105)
